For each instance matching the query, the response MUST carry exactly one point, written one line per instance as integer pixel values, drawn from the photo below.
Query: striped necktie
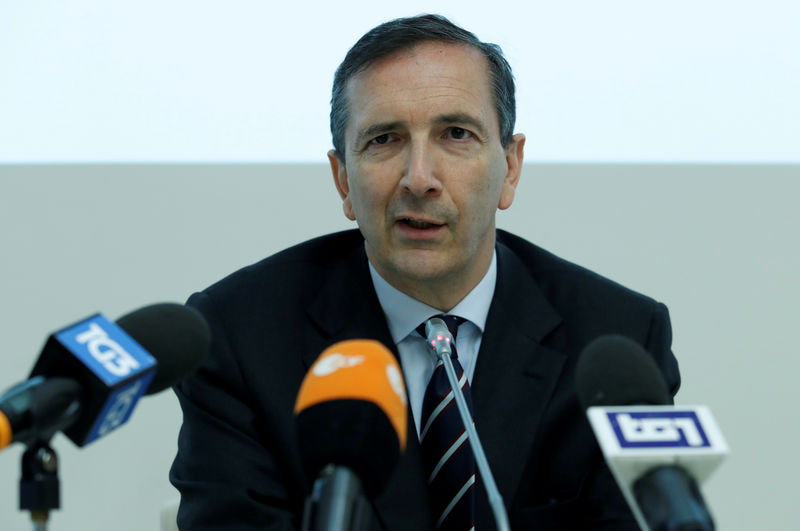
(446, 452)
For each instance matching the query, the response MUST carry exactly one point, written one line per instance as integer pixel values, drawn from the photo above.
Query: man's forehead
(432, 68)
(417, 49)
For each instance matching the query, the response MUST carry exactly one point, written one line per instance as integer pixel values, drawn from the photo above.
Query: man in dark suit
(422, 120)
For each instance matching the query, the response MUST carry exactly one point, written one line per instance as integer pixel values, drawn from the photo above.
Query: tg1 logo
(663, 429)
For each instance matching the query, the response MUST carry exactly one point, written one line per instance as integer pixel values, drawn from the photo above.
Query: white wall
(717, 244)
(249, 80)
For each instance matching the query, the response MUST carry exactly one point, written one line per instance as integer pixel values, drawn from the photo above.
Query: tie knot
(452, 322)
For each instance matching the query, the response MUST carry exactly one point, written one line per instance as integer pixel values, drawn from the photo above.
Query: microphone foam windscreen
(614, 370)
(177, 336)
(351, 411)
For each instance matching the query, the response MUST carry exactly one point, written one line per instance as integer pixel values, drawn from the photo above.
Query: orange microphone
(351, 426)
(351, 411)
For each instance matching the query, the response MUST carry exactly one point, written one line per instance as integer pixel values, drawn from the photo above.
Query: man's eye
(459, 133)
(381, 139)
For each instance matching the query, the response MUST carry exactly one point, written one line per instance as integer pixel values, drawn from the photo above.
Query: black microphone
(657, 452)
(90, 375)
(615, 371)
(351, 426)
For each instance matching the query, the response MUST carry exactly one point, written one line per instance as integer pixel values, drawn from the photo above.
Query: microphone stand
(39, 490)
(337, 502)
(437, 327)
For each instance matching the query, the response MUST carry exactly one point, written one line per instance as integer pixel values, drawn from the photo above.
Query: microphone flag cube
(637, 439)
(112, 368)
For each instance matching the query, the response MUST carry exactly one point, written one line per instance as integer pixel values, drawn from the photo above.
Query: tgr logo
(108, 352)
(120, 409)
(664, 429)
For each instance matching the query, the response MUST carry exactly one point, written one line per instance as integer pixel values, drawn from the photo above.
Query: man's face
(425, 169)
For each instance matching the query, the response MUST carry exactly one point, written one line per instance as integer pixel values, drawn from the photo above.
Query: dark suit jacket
(238, 465)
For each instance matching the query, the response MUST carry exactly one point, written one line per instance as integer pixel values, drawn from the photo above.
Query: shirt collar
(404, 313)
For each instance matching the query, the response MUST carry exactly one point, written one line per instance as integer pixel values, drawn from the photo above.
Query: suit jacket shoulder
(309, 261)
(554, 273)
(591, 305)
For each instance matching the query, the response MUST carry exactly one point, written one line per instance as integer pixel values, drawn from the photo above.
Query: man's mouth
(419, 224)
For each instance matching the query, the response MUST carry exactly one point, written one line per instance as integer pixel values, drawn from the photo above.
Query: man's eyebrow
(375, 130)
(464, 119)
(378, 129)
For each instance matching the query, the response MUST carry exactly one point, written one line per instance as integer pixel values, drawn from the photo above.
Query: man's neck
(443, 295)
(404, 313)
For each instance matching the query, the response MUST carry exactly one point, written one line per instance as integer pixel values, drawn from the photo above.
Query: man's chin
(417, 266)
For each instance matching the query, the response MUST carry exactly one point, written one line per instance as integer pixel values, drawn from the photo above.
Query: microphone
(351, 425)
(440, 340)
(90, 374)
(658, 452)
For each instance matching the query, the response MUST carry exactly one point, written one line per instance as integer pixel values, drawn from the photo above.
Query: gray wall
(718, 244)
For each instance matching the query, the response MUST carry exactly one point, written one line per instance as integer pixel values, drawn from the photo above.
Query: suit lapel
(348, 308)
(515, 374)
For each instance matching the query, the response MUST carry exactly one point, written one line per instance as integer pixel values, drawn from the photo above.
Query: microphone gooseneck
(439, 340)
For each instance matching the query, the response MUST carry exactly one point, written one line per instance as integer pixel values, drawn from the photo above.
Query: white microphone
(658, 453)
(440, 340)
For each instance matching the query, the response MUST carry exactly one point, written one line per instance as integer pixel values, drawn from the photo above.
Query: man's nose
(420, 172)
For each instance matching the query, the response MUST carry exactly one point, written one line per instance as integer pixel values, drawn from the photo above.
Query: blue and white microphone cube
(634, 439)
(113, 369)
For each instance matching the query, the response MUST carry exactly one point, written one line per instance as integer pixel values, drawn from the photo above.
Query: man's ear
(340, 180)
(514, 155)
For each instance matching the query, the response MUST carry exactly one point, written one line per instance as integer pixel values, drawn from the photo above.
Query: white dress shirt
(404, 314)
